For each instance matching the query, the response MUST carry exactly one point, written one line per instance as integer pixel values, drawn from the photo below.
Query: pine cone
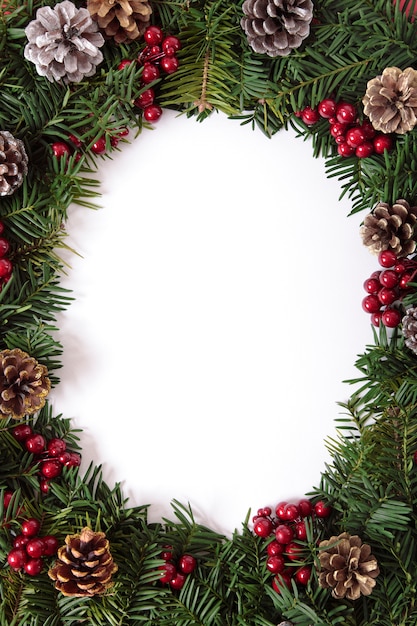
(64, 43)
(276, 27)
(122, 20)
(409, 328)
(390, 227)
(347, 567)
(390, 100)
(13, 163)
(24, 384)
(84, 565)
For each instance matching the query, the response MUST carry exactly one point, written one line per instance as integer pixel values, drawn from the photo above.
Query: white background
(218, 310)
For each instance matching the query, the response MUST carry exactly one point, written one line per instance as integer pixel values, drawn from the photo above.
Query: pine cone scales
(122, 20)
(409, 329)
(347, 567)
(64, 43)
(13, 163)
(390, 100)
(276, 27)
(390, 227)
(24, 384)
(84, 565)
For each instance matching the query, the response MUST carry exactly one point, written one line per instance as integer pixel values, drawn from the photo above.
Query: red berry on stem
(321, 509)
(382, 143)
(301, 531)
(51, 469)
(8, 495)
(391, 317)
(280, 509)
(187, 563)
(368, 129)
(364, 150)
(275, 564)
(169, 64)
(35, 444)
(355, 136)
(291, 512)
(345, 150)
(168, 572)
(153, 35)
(60, 149)
(16, 558)
(44, 485)
(124, 63)
(152, 113)
(171, 43)
(4, 246)
(31, 527)
(294, 551)
(372, 285)
(50, 545)
(327, 108)
(337, 129)
(74, 460)
(387, 258)
(310, 116)
(20, 541)
(150, 73)
(303, 575)
(22, 432)
(387, 296)
(33, 567)
(56, 446)
(99, 146)
(284, 534)
(283, 579)
(346, 113)
(262, 527)
(5, 268)
(405, 279)
(34, 548)
(371, 304)
(389, 278)
(145, 98)
(178, 581)
(376, 318)
(274, 548)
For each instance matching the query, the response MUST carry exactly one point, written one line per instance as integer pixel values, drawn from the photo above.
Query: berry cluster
(5, 264)
(352, 137)
(74, 144)
(51, 455)
(159, 55)
(29, 548)
(286, 532)
(174, 572)
(385, 288)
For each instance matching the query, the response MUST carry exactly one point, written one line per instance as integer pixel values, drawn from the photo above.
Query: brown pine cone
(276, 27)
(24, 384)
(122, 20)
(347, 567)
(390, 100)
(409, 329)
(390, 227)
(84, 565)
(13, 163)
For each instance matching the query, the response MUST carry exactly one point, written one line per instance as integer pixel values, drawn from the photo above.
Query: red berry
(301, 531)
(382, 143)
(291, 512)
(274, 548)
(99, 146)
(152, 113)
(56, 446)
(74, 460)
(22, 432)
(167, 554)
(8, 495)
(387, 296)
(187, 563)
(275, 564)
(51, 469)
(364, 150)
(262, 527)
(50, 545)
(60, 149)
(387, 258)
(178, 581)
(345, 150)
(153, 35)
(372, 285)
(20, 541)
(33, 567)
(31, 527)
(44, 485)
(389, 278)
(405, 279)
(35, 444)
(337, 129)
(169, 64)
(34, 548)
(124, 63)
(145, 98)
(294, 551)
(265, 512)
(150, 73)
(346, 113)
(280, 509)
(391, 317)
(327, 108)
(282, 580)
(168, 572)
(5, 268)
(399, 267)
(4, 246)
(355, 136)
(321, 509)
(376, 318)
(368, 129)
(310, 116)
(303, 575)
(73, 139)
(371, 304)
(171, 43)
(16, 558)
(284, 534)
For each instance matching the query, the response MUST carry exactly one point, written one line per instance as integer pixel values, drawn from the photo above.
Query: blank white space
(217, 312)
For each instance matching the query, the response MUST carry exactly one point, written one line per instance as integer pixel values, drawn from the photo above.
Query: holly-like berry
(263, 526)
(346, 113)
(391, 317)
(153, 35)
(16, 558)
(4, 247)
(33, 567)
(8, 495)
(35, 548)
(275, 564)
(280, 510)
(283, 579)
(301, 531)
(327, 108)
(371, 303)
(61, 149)
(51, 469)
(150, 73)
(345, 150)
(21, 541)
(99, 146)
(35, 444)
(168, 572)
(145, 98)
(178, 581)
(187, 563)
(310, 116)
(22, 431)
(321, 509)
(291, 512)
(382, 142)
(50, 545)
(389, 278)
(31, 527)
(303, 575)
(56, 446)
(124, 63)
(364, 150)
(169, 64)
(152, 113)
(170, 45)
(387, 258)
(293, 551)
(284, 534)
(5, 268)
(274, 548)
(355, 136)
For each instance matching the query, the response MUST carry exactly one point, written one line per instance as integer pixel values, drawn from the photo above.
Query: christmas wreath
(78, 79)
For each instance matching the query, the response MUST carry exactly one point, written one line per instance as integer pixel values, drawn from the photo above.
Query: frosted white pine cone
(64, 43)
